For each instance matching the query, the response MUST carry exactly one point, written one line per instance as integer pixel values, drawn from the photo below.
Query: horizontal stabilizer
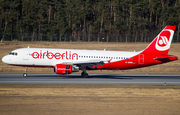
(167, 58)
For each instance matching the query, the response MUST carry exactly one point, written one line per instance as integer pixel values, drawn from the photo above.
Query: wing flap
(90, 63)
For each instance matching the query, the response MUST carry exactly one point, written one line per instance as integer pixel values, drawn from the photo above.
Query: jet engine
(65, 69)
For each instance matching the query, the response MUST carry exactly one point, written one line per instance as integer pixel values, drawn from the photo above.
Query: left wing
(89, 63)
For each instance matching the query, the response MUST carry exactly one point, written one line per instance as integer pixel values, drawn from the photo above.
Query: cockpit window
(13, 53)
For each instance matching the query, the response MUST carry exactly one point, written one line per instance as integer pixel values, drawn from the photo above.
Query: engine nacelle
(65, 69)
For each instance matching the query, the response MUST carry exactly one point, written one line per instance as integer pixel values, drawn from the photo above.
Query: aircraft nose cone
(5, 59)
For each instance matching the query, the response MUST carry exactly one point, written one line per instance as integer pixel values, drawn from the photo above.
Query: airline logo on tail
(164, 40)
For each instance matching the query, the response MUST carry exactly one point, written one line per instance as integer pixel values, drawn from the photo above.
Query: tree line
(129, 19)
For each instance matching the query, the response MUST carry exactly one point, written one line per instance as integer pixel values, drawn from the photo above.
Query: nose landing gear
(25, 74)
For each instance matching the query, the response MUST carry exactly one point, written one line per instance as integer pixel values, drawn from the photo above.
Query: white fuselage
(49, 57)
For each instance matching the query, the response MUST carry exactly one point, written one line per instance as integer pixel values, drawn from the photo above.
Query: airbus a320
(66, 61)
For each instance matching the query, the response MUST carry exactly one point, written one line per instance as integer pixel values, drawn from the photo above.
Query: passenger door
(26, 55)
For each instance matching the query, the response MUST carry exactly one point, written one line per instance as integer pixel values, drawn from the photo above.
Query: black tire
(82, 74)
(85, 75)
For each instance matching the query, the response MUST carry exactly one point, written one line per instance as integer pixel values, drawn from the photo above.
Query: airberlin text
(50, 55)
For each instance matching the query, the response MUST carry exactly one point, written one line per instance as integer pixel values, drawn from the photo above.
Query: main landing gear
(84, 74)
(25, 74)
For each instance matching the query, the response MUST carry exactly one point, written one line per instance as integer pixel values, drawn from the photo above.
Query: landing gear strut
(25, 74)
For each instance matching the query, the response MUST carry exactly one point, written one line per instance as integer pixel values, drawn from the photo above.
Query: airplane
(66, 61)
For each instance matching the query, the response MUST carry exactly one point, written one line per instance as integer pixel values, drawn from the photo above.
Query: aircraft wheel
(82, 74)
(25, 75)
(85, 75)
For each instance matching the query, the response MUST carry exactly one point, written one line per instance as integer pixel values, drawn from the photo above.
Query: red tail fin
(162, 42)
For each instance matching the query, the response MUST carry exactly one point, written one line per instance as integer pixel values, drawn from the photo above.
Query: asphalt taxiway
(93, 79)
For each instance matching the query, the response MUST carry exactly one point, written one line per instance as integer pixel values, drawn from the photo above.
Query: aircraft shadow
(103, 76)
